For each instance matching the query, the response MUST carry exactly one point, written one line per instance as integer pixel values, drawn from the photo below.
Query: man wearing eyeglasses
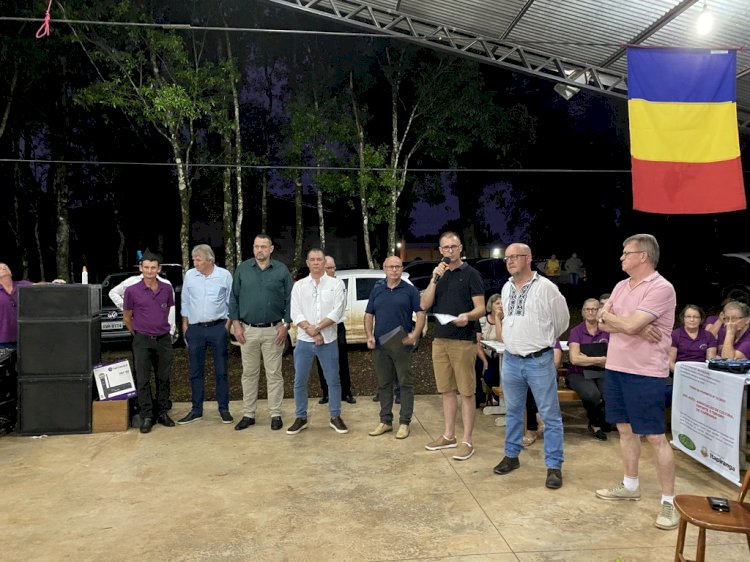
(392, 336)
(536, 314)
(456, 290)
(639, 317)
(8, 304)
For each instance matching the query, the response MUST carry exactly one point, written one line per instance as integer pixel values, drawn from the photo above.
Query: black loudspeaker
(54, 405)
(8, 376)
(7, 416)
(58, 347)
(59, 301)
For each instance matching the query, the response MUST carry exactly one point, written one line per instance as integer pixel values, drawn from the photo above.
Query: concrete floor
(206, 492)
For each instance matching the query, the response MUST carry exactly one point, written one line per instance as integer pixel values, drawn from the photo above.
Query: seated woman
(588, 355)
(736, 343)
(532, 422)
(488, 368)
(690, 342)
(715, 324)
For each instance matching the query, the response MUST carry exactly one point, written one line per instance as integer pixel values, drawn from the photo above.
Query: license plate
(112, 325)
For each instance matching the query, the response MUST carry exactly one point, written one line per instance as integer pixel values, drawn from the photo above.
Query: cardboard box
(110, 415)
(114, 380)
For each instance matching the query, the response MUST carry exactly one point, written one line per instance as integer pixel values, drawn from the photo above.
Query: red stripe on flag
(688, 188)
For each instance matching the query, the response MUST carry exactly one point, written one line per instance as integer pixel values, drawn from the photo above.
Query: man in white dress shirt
(317, 307)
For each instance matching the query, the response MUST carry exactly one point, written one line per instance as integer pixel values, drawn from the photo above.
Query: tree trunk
(122, 258)
(321, 218)
(264, 202)
(227, 209)
(237, 165)
(62, 236)
(183, 187)
(299, 227)
(361, 180)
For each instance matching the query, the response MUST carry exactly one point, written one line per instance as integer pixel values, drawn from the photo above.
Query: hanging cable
(43, 30)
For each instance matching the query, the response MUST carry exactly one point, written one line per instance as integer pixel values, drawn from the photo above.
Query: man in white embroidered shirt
(317, 307)
(535, 315)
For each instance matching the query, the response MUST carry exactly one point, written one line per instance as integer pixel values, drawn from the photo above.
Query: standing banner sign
(707, 410)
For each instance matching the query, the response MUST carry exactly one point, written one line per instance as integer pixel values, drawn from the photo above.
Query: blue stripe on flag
(682, 75)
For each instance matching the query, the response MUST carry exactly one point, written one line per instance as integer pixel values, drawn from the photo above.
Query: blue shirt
(205, 298)
(392, 307)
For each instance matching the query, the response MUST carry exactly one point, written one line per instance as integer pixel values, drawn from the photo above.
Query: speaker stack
(58, 346)
(8, 387)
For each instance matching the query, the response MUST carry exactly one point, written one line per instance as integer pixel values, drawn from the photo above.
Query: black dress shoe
(323, 400)
(376, 398)
(597, 433)
(146, 425)
(276, 423)
(350, 399)
(507, 465)
(554, 478)
(164, 419)
(245, 422)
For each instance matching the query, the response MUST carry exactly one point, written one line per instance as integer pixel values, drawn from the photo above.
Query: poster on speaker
(707, 408)
(114, 381)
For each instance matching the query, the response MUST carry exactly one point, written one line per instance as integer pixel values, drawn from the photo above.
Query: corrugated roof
(552, 38)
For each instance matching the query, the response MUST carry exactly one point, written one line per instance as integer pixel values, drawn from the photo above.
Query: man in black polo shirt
(456, 290)
(259, 310)
(389, 310)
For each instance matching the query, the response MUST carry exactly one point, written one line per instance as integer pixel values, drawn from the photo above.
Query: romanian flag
(684, 137)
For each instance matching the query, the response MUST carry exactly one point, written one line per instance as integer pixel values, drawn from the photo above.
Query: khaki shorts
(453, 362)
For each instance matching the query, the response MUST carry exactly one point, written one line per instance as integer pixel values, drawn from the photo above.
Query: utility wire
(308, 168)
(191, 27)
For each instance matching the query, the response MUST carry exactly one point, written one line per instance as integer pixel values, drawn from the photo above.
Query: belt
(535, 354)
(211, 323)
(152, 337)
(267, 324)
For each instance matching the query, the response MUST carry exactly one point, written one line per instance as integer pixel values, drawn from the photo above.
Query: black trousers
(346, 381)
(152, 352)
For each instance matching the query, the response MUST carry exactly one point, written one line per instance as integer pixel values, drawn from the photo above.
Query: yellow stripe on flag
(683, 132)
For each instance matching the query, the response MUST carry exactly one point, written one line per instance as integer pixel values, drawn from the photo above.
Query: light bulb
(705, 22)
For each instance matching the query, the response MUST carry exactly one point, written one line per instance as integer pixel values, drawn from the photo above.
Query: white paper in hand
(445, 318)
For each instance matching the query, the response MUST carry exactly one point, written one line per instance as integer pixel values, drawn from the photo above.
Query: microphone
(437, 277)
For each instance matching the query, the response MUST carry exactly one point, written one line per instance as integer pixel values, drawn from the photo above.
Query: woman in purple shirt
(588, 355)
(690, 342)
(8, 303)
(736, 342)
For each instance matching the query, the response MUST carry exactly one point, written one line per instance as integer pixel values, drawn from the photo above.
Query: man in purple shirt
(146, 315)
(8, 303)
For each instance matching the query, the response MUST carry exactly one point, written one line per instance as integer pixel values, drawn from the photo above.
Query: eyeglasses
(734, 318)
(692, 317)
(393, 267)
(449, 248)
(626, 254)
(591, 310)
(514, 257)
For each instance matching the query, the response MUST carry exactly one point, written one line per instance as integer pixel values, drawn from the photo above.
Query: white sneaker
(619, 492)
(494, 410)
(668, 518)
(500, 421)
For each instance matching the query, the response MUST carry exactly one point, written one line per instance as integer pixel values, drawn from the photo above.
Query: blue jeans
(199, 339)
(538, 374)
(328, 355)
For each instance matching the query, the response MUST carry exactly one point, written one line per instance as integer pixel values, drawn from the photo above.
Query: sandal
(529, 438)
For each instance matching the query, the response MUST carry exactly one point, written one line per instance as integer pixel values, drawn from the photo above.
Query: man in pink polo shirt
(639, 317)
